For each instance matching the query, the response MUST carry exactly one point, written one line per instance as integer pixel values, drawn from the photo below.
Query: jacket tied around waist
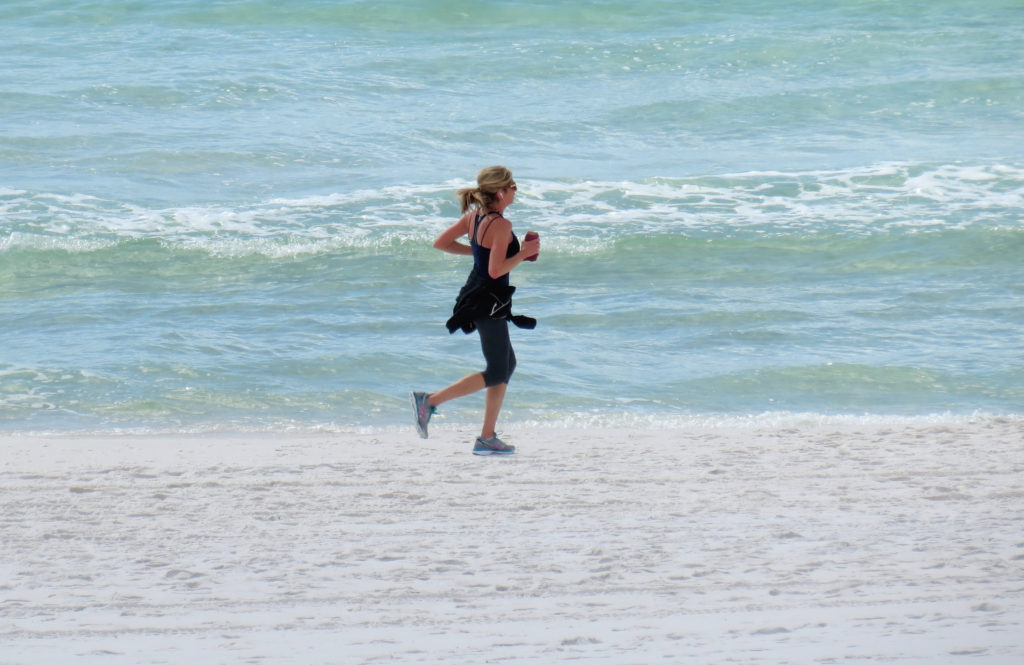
(483, 298)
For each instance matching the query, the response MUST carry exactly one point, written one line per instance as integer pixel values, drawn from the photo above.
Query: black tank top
(482, 255)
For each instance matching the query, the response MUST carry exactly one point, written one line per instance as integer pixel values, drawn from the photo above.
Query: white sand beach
(853, 543)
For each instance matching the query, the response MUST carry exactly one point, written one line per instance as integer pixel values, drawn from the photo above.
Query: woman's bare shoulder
(497, 227)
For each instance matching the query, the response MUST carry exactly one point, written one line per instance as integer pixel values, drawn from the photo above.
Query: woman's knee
(497, 349)
(496, 374)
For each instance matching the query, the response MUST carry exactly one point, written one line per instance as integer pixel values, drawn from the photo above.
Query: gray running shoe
(492, 446)
(422, 411)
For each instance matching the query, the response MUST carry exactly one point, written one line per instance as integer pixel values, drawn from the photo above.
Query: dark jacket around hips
(483, 298)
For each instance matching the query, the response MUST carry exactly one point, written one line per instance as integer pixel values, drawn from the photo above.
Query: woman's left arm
(500, 265)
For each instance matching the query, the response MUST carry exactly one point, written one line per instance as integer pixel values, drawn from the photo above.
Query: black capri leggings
(497, 348)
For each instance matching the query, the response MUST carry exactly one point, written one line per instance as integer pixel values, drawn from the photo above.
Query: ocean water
(218, 215)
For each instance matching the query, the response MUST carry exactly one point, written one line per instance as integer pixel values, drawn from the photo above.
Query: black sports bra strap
(478, 221)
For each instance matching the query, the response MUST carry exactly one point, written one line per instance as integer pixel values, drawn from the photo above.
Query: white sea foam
(576, 214)
(594, 421)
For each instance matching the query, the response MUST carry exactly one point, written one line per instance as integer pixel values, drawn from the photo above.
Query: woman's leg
(501, 362)
(492, 407)
(467, 385)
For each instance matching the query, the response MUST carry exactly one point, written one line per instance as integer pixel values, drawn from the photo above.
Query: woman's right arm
(448, 241)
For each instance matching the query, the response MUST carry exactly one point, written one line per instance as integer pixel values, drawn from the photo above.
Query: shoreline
(802, 421)
(766, 545)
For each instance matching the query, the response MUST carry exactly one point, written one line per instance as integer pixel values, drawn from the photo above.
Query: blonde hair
(488, 183)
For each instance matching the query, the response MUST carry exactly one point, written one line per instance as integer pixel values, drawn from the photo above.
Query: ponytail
(471, 197)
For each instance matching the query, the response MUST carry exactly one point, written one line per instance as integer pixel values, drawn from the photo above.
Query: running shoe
(492, 446)
(422, 411)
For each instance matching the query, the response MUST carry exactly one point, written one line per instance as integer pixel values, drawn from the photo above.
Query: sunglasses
(513, 187)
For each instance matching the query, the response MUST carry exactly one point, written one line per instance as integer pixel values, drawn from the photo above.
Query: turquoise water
(218, 215)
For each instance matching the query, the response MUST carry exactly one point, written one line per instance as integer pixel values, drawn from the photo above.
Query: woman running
(484, 303)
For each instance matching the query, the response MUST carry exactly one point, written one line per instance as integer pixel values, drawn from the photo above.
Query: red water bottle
(530, 235)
